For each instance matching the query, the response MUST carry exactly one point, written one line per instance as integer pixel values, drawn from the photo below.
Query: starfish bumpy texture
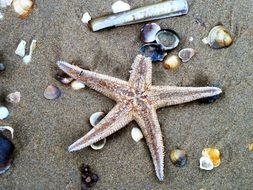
(136, 100)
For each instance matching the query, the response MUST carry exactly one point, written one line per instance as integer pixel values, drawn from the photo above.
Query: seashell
(178, 157)
(148, 32)
(4, 113)
(120, 6)
(10, 129)
(2, 67)
(171, 62)
(86, 18)
(27, 59)
(5, 3)
(136, 134)
(6, 153)
(146, 13)
(77, 85)
(23, 7)
(168, 38)
(95, 118)
(14, 97)
(1, 16)
(210, 99)
(20, 51)
(205, 163)
(218, 37)
(154, 51)
(251, 147)
(213, 154)
(191, 39)
(186, 54)
(52, 92)
(64, 79)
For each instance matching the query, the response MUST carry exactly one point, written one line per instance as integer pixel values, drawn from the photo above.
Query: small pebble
(14, 97)
(52, 92)
(2, 67)
(88, 178)
(86, 18)
(4, 112)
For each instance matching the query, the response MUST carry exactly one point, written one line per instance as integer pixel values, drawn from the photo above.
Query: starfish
(137, 99)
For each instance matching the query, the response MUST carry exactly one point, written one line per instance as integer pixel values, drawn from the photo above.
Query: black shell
(168, 38)
(154, 51)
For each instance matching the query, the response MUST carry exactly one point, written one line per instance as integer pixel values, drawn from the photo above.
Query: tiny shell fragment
(213, 154)
(2, 128)
(5, 3)
(27, 59)
(120, 6)
(52, 92)
(98, 145)
(2, 67)
(136, 134)
(171, 62)
(186, 54)
(96, 117)
(205, 163)
(77, 85)
(14, 97)
(4, 112)
(1, 16)
(23, 7)
(86, 18)
(20, 51)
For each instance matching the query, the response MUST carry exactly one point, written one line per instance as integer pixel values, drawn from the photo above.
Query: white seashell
(27, 59)
(77, 85)
(86, 18)
(136, 134)
(205, 40)
(5, 3)
(191, 39)
(98, 145)
(205, 163)
(2, 128)
(1, 16)
(21, 49)
(120, 6)
(14, 97)
(4, 112)
(22, 7)
(186, 54)
(96, 117)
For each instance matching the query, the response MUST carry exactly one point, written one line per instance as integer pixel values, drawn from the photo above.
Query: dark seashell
(169, 39)
(2, 67)
(64, 79)
(52, 92)
(6, 153)
(154, 51)
(178, 157)
(210, 99)
(148, 32)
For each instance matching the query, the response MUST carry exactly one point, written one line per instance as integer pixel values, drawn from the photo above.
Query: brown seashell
(52, 92)
(171, 62)
(213, 154)
(23, 7)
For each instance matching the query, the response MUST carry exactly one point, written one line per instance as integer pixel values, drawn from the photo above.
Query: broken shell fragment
(98, 145)
(186, 54)
(178, 157)
(154, 51)
(205, 163)
(136, 134)
(20, 51)
(77, 85)
(27, 59)
(148, 32)
(52, 92)
(169, 39)
(251, 147)
(4, 113)
(10, 129)
(23, 7)
(5, 3)
(213, 154)
(96, 117)
(218, 37)
(86, 18)
(171, 62)
(120, 6)
(146, 13)
(14, 97)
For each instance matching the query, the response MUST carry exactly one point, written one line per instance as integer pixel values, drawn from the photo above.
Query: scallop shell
(171, 62)
(136, 134)
(213, 154)
(14, 97)
(4, 113)
(168, 38)
(52, 92)
(186, 54)
(205, 163)
(218, 37)
(23, 7)
(178, 157)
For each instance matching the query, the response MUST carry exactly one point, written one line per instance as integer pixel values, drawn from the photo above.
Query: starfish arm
(109, 86)
(161, 96)
(116, 119)
(141, 74)
(148, 122)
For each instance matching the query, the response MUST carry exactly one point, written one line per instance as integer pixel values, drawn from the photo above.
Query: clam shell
(186, 54)
(5, 3)
(120, 6)
(205, 163)
(4, 113)
(52, 92)
(178, 157)
(23, 7)
(10, 129)
(20, 51)
(2, 67)
(98, 145)
(148, 32)
(14, 97)
(218, 37)
(136, 134)
(213, 154)
(77, 85)
(171, 62)
(154, 51)
(168, 38)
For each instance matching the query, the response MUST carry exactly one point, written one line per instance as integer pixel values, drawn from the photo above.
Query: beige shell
(14, 97)
(136, 134)
(251, 147)
(186, 54)
(213, 154)
(23, 7)
(171, 62)
(218, 37)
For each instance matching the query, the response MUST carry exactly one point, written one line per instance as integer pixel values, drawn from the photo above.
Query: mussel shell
(178, 157)
(149, 31)
(52, 92)
(6, 153)
(154, 51)
(168, 38)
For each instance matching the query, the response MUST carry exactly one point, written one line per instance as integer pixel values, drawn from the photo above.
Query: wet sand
(44, 129)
